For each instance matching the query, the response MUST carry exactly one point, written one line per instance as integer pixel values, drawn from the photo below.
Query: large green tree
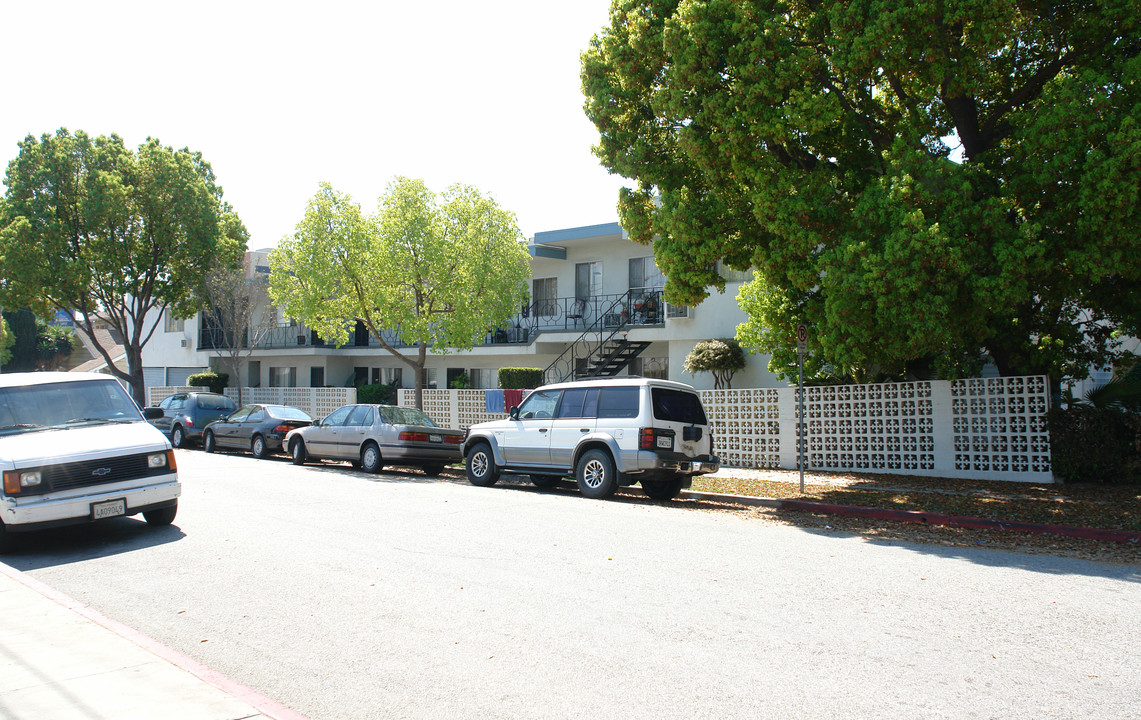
(924, 184)
(100, 232)
(438, 271)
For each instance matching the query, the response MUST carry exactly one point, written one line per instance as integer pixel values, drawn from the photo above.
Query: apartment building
(596, 308)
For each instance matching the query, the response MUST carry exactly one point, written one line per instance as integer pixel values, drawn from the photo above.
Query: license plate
(665, 441)
(435, 438)
(113, 508)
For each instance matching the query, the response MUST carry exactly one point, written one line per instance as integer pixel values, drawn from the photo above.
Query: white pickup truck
(75, 448)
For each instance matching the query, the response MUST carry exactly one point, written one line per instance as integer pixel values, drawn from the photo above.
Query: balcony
(634, 308)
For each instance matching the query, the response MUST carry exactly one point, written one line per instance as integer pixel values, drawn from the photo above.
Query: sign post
(801, 346)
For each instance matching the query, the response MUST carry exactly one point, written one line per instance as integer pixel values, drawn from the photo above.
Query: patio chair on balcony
(576, 312)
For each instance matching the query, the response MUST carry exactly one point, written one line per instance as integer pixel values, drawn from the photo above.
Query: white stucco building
(596, 296)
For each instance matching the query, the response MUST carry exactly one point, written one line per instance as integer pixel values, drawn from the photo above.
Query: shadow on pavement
(75, 543)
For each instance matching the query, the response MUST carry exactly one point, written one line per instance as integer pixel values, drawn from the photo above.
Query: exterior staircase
(612, 357)
(603, 350)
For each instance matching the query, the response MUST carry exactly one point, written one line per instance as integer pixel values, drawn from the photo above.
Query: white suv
(604, 433)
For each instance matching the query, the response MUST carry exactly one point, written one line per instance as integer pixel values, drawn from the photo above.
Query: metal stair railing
(564, 367)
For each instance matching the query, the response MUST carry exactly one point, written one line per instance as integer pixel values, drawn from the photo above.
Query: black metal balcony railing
(642, 307)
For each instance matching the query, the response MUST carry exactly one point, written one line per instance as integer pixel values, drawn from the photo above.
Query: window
(644, 273)
(256, 415)
(337, 417)
(544, 297)
(579, 403)
(361, 416)
(588, 280)
(393, 376)
(540, 404)
(732, 275)
(316, 376)
(652, 367)
(171, 323)
(619, 402)
(677, 406)
(428, 379)
(240, 415)
(283, 377)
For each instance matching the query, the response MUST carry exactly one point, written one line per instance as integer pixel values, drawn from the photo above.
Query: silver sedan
(372, 436)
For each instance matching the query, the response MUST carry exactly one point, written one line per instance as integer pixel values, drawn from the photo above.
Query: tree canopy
(106, 234)
(922, 184)
(435, 272)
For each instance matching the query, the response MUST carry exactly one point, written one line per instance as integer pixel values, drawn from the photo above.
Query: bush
(520, 378)
(1095, 445)
(217, 382)
(377, 394)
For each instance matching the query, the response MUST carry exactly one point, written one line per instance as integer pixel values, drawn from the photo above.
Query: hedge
(1095, 445)
(520, 378)
(215, 381)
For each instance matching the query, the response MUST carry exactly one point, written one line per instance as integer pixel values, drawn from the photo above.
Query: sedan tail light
(414, 436)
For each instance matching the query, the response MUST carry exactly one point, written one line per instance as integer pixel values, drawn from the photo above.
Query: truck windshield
(53, 405)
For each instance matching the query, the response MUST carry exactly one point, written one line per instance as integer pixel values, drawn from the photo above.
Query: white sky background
(280, 96)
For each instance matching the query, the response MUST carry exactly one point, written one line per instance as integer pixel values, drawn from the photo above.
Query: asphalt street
(345, 595)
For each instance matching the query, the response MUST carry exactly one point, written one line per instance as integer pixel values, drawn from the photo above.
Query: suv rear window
(619, 402)
(215, 402)
(677, 406)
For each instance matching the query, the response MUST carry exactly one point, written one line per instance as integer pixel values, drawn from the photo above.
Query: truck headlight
(16, 480)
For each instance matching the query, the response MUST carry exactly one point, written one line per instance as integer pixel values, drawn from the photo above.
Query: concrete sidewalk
(60, 659)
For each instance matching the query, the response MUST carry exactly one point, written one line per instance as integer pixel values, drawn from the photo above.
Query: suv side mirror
(514, 413)
(153, 413)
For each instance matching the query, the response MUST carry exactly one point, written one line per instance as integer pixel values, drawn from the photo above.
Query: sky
(279, 97)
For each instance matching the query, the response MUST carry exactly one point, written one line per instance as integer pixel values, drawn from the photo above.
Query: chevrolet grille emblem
(100, 472)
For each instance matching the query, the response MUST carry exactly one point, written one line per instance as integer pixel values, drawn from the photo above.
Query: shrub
(723, 358)
(1095, 445)
(377, 394)
(520, 378)
(215, 381)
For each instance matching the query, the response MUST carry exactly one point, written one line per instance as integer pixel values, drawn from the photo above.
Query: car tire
(596, 475)
(480, 466)
(667, 489)
(297, 452)
(258, 448)
(208, 441)
(544, 482)
(433, 470)
(177, 436)
(162, 516)
(371, 461)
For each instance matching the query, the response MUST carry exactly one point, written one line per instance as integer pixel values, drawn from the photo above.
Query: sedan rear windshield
(678, 406)
(405, 416)
(284, 412)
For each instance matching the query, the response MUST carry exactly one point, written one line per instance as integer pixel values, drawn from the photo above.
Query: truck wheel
(162, 516)
(667, 489)
(596, 475)
(480, 466)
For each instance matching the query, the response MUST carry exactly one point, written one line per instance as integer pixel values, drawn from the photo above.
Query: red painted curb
(271, 709)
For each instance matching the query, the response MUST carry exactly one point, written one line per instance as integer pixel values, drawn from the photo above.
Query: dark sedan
(257, 428)
(372, 436)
